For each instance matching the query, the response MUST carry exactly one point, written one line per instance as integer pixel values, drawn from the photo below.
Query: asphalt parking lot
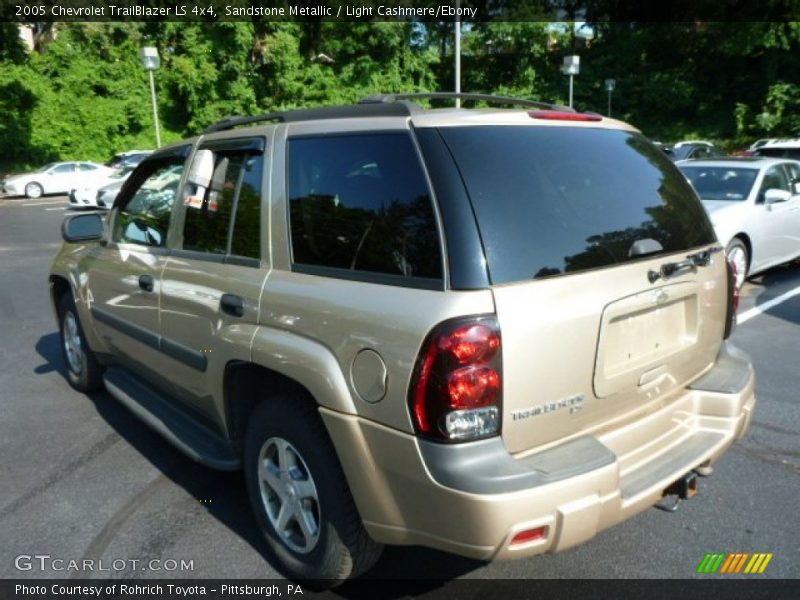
(83, 478)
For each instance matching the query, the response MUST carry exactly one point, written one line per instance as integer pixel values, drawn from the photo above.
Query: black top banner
(399, 10)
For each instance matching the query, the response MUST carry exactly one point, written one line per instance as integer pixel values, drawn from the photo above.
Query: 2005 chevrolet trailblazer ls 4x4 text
(494, 332)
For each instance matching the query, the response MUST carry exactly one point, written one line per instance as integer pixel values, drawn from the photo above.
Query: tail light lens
(733, 300)
(456, 388)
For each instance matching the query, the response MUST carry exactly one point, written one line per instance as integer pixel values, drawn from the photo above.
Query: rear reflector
(529, 535)
(559, 115)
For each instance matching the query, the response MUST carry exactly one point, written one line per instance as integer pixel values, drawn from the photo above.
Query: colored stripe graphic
(734, 563)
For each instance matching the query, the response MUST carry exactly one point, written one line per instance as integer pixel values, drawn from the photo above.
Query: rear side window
(360, 204)
(556, 200)
(223, 217)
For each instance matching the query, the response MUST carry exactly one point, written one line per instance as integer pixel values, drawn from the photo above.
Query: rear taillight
(733, 300)
(456, 389)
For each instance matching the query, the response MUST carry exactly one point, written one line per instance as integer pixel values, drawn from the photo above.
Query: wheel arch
(748, 244)
(59, 286)
(246, 385)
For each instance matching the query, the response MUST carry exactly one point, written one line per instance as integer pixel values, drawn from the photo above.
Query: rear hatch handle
(670, 269)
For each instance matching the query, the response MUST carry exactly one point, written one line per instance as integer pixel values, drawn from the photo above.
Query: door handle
(232, 304)
(146, 282)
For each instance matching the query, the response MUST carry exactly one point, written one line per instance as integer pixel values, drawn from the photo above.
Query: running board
(193, 439)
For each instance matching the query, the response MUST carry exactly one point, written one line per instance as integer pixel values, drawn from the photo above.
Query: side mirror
(774, 196)
(82, 228)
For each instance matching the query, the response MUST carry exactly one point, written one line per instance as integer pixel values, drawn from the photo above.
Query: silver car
(754, 205)
(55, 178)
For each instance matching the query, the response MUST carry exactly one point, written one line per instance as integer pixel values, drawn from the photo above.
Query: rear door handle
(146, 282)
(232, 304)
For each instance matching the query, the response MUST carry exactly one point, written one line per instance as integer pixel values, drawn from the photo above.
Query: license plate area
(650, 331)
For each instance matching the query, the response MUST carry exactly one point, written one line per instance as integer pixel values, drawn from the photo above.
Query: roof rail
(234, 121)
(391, 98)
(395, 109)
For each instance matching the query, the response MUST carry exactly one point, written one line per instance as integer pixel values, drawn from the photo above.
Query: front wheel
(300, 497)
(737, 254)
(34, 190)
(84, 373)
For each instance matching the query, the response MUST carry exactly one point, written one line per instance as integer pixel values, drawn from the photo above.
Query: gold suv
(494, 332)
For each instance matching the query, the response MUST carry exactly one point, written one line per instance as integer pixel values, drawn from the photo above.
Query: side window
(223, 217)
(793, 172)
(361, 203)
(774, 179)
(144, 217)
(66, 168)
(246, 236)
(87, 167)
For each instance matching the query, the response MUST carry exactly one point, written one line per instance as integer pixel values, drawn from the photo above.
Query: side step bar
(193, 439)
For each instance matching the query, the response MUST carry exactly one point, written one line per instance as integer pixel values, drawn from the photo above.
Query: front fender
(67, 267)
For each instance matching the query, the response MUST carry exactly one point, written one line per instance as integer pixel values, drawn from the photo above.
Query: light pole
(457, 51)
(610, 85)
(572, 66)
(151, 62)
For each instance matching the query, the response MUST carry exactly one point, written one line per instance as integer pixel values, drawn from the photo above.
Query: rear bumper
(471, 499)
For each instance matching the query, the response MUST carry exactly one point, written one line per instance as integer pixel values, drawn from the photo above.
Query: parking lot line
(761, 308)
(42, 203)
(57, 208)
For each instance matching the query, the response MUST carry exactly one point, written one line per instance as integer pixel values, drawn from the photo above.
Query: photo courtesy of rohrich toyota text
(399, 299)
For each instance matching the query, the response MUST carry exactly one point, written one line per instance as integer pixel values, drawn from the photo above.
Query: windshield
(45, 168)
(721, 183)
(556, 200)
(121, 172)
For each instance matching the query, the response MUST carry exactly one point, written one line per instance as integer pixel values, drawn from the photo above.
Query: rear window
(556, 200)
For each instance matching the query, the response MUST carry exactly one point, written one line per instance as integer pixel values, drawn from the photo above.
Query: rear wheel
(300, 496)
(737, 254)
(84, 373)
(34, 190)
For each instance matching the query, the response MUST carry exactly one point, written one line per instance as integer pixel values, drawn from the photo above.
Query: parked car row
(88, 184)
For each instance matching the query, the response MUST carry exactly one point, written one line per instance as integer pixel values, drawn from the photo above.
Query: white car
(55, 178)
(86, 196)
(780, 149)
(754, 205)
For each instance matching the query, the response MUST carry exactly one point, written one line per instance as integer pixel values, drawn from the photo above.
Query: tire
(736, 253)
(34, 190)
(288, 436)
(84, 373)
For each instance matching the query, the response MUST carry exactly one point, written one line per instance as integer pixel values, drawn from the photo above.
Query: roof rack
(379, 105)
(395, 109)
(391, 98)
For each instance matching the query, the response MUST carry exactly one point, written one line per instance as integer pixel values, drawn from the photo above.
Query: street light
(572, 66)
(610, 85)
(457, 53)
(151, 62)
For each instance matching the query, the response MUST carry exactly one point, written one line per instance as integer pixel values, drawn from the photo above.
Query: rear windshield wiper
(698, 259)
